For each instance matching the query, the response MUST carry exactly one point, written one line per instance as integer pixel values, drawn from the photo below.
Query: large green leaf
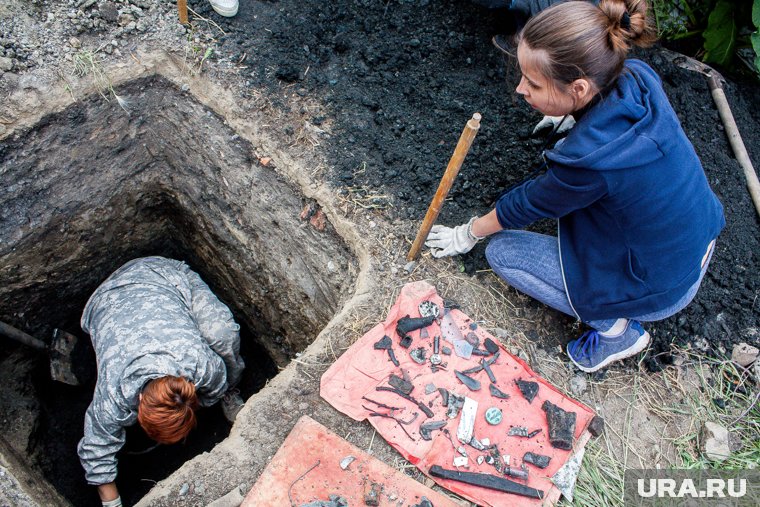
(720, 34)
(756, 13)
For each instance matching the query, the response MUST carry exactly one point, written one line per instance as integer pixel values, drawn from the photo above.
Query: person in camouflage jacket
(152, 318)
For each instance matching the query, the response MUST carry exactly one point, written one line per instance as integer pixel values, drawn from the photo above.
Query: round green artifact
(493, 416)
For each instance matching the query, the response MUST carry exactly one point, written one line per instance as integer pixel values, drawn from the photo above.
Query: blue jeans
(530, 263)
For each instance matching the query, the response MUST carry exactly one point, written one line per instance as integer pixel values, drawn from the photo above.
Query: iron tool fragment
(406, 325)
(427, 428)
(489, 372)
(385, 343)
(402, 385)
(471, 383)
(528, 389)
(486, 481)
(497, 393)
(517, 473)
(472, 370)
(538, 460)
(561, 425)
(480, 352)
(393, 390)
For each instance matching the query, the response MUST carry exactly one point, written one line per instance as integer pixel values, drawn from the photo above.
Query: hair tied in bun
(625, 21)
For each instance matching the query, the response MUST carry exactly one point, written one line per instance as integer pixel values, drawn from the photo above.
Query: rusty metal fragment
(402, 385)
(406, 325)
(471, 383)
(561, 425)
(424, 502)
(486, 481)
(491, 346)
(383, 343)
(489, 372)
(497, 393)
(474, 369)
(528, 389)
(420, 405)
(538, 460)
(517, 473)
(428, 427)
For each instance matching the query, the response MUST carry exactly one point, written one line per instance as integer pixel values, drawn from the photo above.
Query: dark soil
(402, 77)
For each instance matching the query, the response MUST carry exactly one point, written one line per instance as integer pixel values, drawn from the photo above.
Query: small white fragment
(507, 458)
(485, 441)
(480, 460)
(461, 461)
(346, 461)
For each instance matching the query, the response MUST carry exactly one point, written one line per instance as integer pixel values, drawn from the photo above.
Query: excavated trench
(92, 187)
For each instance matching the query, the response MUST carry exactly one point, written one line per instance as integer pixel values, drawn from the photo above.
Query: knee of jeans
(498, 250)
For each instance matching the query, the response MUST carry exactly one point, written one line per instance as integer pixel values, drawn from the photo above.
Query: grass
(88, 63)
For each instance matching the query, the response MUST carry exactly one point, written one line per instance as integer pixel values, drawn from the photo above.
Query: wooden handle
(455, 163)
(735, 139)
(182, 9)
(21, 337)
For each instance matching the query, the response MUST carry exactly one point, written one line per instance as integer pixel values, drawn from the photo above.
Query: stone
(184, 489)
(744, 354)
(578, 385)
(715, 442)
(6, 64)
(75, 43)
(596, 426)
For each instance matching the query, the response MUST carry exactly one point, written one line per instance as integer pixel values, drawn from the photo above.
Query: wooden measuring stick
(182, 8)
(455, 163)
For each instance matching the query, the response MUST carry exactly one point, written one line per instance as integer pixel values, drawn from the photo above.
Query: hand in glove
(447, 241)
(553, 121)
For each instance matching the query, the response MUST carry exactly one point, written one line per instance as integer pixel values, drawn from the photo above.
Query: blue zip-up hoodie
(636, 214)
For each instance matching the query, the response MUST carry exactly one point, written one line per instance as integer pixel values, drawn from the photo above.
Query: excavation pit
(93, 186)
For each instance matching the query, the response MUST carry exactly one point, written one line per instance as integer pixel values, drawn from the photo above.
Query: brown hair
(581, 40)
(167, 409)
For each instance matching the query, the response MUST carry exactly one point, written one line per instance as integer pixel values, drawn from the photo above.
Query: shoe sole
(226, 13)
(637, 347)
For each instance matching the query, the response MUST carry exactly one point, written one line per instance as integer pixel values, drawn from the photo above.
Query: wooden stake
(455, 163)
(182, 8)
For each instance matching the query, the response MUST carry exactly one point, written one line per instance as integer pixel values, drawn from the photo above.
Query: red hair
(167, 409)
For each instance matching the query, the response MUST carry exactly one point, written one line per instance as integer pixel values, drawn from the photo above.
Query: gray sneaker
(232, 402)
(593, 351)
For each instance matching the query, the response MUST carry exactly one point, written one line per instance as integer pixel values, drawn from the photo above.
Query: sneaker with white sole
(232, 402)
(226, 8)
(593, 350)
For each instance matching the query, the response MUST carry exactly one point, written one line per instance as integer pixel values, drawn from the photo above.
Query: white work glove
(447, 241)
(553, 121)
(116, 502)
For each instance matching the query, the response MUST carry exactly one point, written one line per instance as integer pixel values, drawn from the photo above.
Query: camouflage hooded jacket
(151, 318)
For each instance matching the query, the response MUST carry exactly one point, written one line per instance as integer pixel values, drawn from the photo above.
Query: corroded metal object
(538, 460)
(528, 389)
(471, 383)
(561, 425)
(497, 393)
(486, 481)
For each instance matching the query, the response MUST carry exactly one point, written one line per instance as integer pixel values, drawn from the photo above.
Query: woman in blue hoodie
(637, 220)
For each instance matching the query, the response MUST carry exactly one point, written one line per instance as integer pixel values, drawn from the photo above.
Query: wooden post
(182, 8)
(455, 163)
